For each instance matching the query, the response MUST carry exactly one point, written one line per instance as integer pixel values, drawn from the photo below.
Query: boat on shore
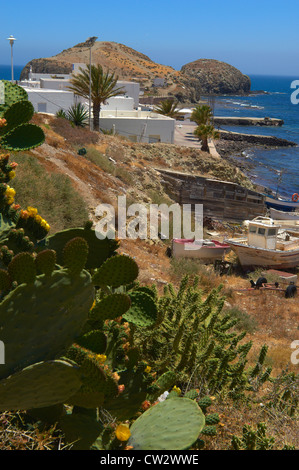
(281, 204)
(284, 215)
(205, 250)
(266, 245)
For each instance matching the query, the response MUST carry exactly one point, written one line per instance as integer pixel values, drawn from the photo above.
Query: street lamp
(11, 39)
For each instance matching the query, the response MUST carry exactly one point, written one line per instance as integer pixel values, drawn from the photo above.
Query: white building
(139, 126)
(49, 101)
(121, 114)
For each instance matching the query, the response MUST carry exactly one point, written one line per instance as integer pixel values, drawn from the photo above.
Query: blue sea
(269, 163)
(5, 72)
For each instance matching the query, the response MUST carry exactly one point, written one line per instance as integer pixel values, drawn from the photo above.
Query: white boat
(205, 250)
(266, 246)
(282, 215)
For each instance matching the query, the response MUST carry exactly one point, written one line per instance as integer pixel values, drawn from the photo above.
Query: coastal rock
(211, 76)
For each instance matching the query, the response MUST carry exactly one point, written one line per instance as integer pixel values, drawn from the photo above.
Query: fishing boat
(283, 215)
(266, 245)
(282, 204)
(205, 250)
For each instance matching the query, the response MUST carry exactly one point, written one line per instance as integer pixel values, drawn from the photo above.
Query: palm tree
(103, 87)
(202, 115)
(168, 108)
(205, 132)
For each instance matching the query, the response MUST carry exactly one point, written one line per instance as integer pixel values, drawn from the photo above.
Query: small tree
(205, 132)
(168, 108)
(203, 115)
(103, 87)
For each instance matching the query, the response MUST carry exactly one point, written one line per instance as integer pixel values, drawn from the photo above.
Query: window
(41, 107)
(261, 231)
(272, 232)
(252, 229)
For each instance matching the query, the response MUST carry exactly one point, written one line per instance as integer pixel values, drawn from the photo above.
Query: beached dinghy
(283, 215)
(266, 245)
(205, 250)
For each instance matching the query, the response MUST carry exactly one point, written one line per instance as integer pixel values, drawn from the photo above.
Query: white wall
(132, 89)
(37, 76)
(50, 101)
(139, 126)
(54, 84)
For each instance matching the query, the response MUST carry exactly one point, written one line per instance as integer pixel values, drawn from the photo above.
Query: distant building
(159, 82)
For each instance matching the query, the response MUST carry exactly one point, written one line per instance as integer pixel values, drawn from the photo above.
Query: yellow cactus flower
(24, 214)
(32, 211)
(177, 389)
(11, 174)
(147, 369)
(38, 219)
(10, 192)
(122, 432)
(101, 358)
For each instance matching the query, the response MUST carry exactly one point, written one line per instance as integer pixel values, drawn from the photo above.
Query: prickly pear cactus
(16, 133)
(40, 317)
(170, 425)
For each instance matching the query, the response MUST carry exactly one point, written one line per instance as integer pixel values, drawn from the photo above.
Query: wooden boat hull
(251, 257)
(188, 249)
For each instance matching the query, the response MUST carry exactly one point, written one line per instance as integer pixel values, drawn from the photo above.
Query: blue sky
(258, 37)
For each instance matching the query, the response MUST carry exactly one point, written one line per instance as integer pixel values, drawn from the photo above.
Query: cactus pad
(45, 262)
(39, 321)
(75, 254)
(110, 307)
(22, 268)
(170, 425)
(23, 137)
(39, 385)
(99, 250)
(143, 310)
(116, 271)
(18, 113)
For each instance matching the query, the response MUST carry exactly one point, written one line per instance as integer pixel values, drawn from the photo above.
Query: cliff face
(211, 76)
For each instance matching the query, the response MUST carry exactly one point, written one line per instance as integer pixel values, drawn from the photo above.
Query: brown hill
(118, 58)
(199, 77)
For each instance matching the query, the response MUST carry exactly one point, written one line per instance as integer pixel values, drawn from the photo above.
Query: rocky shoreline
(233, 152)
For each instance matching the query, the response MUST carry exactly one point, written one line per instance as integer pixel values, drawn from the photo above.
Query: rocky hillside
(200, 77)
(215, 77)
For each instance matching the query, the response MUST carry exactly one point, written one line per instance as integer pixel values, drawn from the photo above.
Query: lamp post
(11, 39)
